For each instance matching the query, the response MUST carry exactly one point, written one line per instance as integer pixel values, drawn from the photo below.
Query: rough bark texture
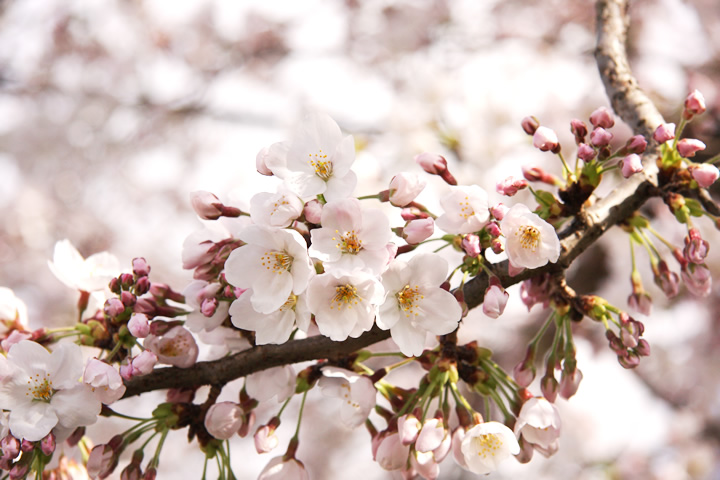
(628, 101)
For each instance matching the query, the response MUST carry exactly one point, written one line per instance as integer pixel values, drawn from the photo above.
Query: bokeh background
(112, 112)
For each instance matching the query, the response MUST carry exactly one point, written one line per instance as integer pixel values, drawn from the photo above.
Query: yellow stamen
(278, 262)
(349, 242)
(40, 389)
(529, 237)
(345, 295)
(408, 298)
(487, 445)
(466, 211)
(323, 167)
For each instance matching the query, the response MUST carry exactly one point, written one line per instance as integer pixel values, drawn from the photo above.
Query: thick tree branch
(628, 101)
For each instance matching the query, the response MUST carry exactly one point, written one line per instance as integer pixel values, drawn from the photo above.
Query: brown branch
(628, 101)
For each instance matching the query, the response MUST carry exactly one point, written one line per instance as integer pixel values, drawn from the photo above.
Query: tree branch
(628, 101)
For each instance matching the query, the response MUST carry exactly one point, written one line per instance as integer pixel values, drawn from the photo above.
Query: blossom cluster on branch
(314, 264)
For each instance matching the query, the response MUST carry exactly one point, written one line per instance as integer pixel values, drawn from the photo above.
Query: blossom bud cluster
(629, 347)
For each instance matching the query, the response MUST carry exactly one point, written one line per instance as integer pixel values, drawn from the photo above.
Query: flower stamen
(40, 389)
(466, 211)
(278, 262)
(289, 303)
(488, 445)
(345, 295)
(349, 243)
(529, 237)
(323, 168)
(407, 299)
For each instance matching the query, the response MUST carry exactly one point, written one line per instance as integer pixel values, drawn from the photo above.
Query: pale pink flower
(631, 165)
(431, 435)
(404, 187)
(275, 209)
(495, 300)
(415, 305)
(346, 304)
(274, 327)
(88, 275)
(43, 391)
(273, 262)
(276, 382)
(698, 279)
(418, 230)
(704, 174)
(602, 117)
(101, 461)
(223, 420)
(176, 347)
(545, 139)
(425, 464)
(197, 294)
(318, 160)
(539, 423)
(391, 454)
(104, 380)
(356, 392)
(688, 147)
(351, 237)
(261, 162)
(486, 445)
(466, 210)
(13, 311)
(664, 132)
(530, 241)
(138, 325)
(265, 439)
(281, 469)
(457, 438)
(408, 428)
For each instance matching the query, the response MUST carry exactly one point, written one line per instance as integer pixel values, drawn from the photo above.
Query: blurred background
(112, 112)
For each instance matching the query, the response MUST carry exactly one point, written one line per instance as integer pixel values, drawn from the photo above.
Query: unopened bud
(694, 105)
(603, 118)
(530, 125)
(688, 147)
(664, 132)
(579, 129)
(545, 139)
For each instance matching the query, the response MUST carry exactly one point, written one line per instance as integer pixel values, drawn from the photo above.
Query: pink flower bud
(537, 174)
(431, 435)
(140, 267)
(404, 187)
(209, 306)
(697, 278)
(510, 186)
(694, 105)
(600, 137)
(631, 165)
(418, 230)
(206, 205)
(313, 211)
(629, 360)
(602, 118)
(664, 132)
(113, 307)
(265, 439)
(432, 163)
(408, 428)
(641, 302)
(530, 125)
(223, 420)
(549, 388)
(471, 245)
(586, 152)
(47, 444)
(687, 147)
(101, 462)
(391, 454)
(579, 129)
(144, 363)
(546, 139)
(636, 144)
(569, 383)
(643, 348)
(260, 162)
(413, 213)
(138, 325)
(498, 211)
(495, 299)
(493, 229)
(696, 249)
(704, 174)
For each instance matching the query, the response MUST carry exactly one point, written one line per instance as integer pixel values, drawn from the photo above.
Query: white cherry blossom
(356, 392)
(273, 262)
(88, 275)
(104, 380)
(275, 327)
(275, 209)
(13, 311)
(43, 390)
(539, 423)
(351, 238)
(344, 305)
(486, 445)
(317, 160)
(276, 382)
(176, 347)
(415, 305)
(466, 210)
(280, 469)
(530, 241)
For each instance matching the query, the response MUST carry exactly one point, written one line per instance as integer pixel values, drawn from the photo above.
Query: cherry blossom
(466, 210)
(275, 327)
(276, 382)
(223, 420)
(351, 237)
(704, 174)
(391, 453)
(13, 311)
(530, 241)
(404, 187)
(317, 161)
(43, 391)
(176, 347)
(281, 469)
(105, 381)
(275, 209)
(356, 392)
(274, 263)
(486, 445)
(346, 304)
(88, 275)
(415, 305)
(539, 423)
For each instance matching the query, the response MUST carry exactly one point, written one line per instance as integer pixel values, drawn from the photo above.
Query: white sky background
(111, 112)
